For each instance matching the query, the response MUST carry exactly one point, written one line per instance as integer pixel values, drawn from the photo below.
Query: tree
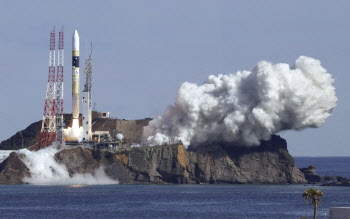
(314, 196)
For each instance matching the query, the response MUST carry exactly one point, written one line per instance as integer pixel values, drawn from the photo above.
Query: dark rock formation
(268, 163)
(77, 160)
(311, 176)
(13, 170)
(339, 181)
(347, 183)
(330, 178)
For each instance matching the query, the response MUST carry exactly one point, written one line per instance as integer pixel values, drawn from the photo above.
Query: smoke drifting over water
(247, 107)
(46, 171)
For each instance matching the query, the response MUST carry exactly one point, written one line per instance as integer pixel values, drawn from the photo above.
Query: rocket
(75, 76)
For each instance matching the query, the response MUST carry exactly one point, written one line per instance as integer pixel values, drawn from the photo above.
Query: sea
(176, 201)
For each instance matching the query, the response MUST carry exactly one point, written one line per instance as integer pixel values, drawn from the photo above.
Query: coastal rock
(311, 176)
(13, 170)
(269, 163)
(77, 160)
(339, 181)
(330, 178)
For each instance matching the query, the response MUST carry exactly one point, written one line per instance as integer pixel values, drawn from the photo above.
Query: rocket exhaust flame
(247, 107)
(74, 133)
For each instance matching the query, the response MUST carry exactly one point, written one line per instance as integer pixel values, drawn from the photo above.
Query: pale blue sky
(143, 51)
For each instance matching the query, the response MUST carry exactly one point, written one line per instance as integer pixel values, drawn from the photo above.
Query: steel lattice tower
(59, 91)
(48, 127)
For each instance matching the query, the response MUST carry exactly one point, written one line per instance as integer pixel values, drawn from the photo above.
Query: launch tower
(59, 92)
(86, 99)
(52, 124)
(48, 126)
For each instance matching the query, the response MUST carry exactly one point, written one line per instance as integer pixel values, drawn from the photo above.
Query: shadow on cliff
(275, 144)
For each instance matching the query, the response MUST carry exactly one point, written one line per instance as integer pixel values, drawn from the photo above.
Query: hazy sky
(143, 51)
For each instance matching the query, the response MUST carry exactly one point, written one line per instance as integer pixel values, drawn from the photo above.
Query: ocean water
(332, 166)
(164, 201)
(169, 201)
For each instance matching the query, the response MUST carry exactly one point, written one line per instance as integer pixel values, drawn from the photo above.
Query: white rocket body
(75, 76)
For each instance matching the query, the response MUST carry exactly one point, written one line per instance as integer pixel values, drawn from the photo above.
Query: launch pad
(52, 129)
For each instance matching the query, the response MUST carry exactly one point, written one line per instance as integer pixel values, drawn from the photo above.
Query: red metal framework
(48, 127)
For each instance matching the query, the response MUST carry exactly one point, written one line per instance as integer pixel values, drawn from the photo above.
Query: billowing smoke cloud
(75, 133)
(46, 171)
(247, 107)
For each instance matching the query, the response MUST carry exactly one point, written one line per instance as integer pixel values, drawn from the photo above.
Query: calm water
(168, 201)
(333, 166)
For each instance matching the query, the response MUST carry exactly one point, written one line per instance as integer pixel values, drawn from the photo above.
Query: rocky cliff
(13, 170)
(268, 163)
(311, 176)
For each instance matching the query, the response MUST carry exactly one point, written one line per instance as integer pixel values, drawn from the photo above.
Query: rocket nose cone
(75, 35)
(75, 41)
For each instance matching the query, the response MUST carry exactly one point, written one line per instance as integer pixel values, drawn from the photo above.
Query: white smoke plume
(74, 133)
(247, 107)
(46, 171)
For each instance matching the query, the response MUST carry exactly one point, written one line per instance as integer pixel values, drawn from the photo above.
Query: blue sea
(175, 201)
(332, 166)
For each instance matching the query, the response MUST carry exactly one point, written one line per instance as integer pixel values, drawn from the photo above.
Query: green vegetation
(314, 196)
(23, 139)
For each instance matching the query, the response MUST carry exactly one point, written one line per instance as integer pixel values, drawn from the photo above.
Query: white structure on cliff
(86, 100)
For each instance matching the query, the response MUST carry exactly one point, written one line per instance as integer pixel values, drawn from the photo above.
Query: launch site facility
(53, 129)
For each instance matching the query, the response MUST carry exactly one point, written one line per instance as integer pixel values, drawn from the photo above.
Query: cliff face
(268, 163)
(13, 170)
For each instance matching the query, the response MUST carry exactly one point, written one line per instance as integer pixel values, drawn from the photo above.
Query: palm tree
(314, 196)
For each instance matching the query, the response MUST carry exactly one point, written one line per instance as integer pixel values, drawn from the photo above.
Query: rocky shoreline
(313, 178)
(269, 163)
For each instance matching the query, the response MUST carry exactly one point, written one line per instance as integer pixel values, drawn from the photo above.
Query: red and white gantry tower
(48, 127)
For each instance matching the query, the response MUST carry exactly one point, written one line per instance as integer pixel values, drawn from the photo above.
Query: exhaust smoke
(247, 107)
(46, 171)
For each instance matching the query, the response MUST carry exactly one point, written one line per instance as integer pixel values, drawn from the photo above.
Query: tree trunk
(315, 212)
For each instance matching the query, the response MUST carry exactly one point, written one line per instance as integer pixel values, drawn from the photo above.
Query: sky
(144, 50)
